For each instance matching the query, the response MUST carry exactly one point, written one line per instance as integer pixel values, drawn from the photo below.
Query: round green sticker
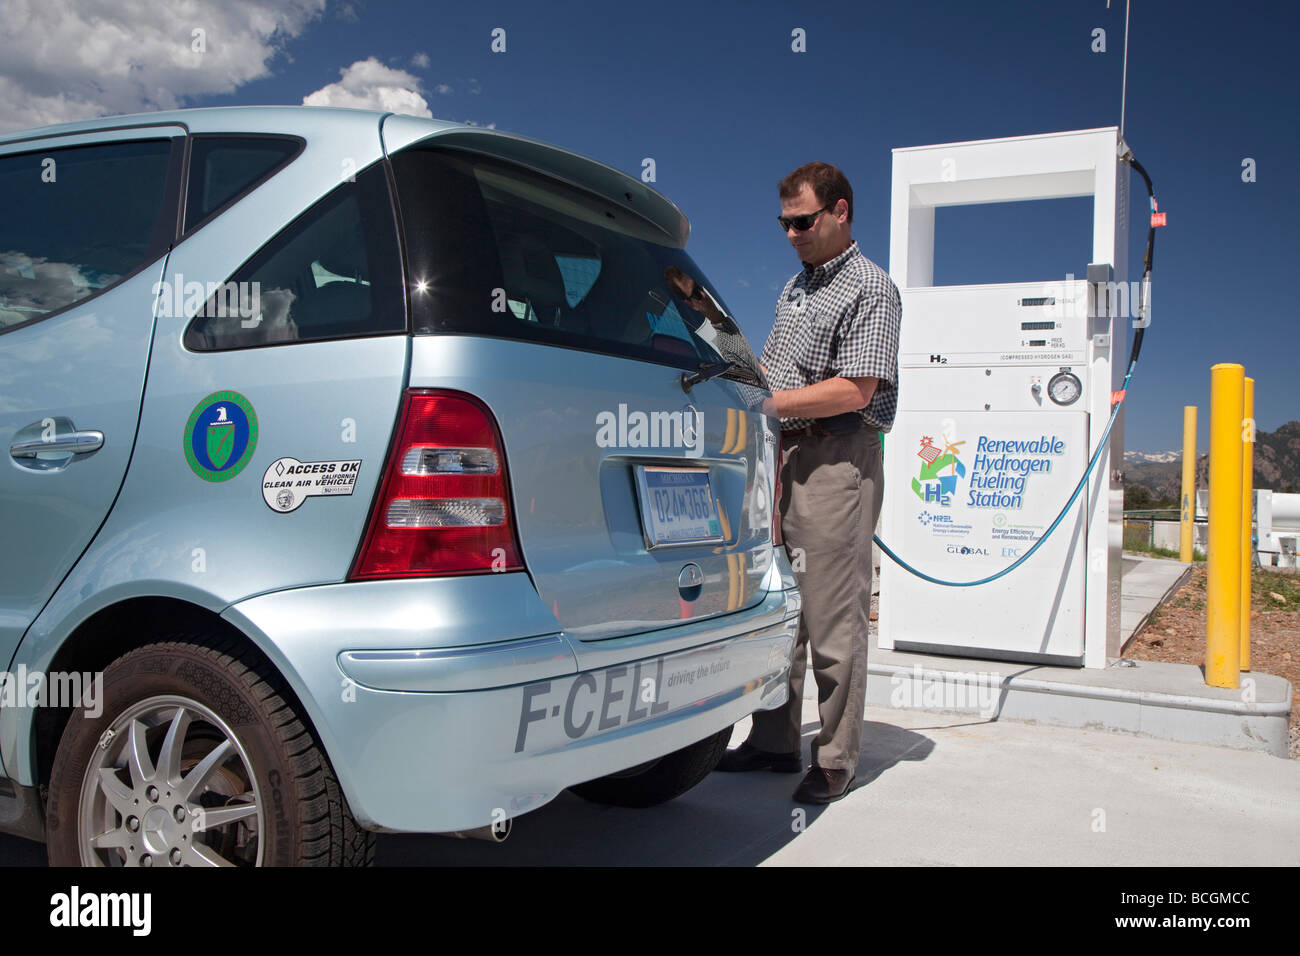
(220, 436)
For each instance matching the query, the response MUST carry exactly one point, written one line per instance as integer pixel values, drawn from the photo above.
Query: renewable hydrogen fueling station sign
(999, 474)
(991, 490)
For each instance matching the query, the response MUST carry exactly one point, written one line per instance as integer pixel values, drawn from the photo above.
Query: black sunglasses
(801, 223)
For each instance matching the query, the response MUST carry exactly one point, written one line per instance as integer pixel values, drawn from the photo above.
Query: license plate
(677, 506)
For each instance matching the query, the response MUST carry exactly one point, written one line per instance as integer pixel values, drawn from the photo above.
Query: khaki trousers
(830, 502)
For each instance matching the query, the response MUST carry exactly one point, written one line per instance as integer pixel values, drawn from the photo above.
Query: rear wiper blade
(706, 372)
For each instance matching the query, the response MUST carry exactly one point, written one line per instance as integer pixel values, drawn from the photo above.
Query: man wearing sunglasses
(832, 362)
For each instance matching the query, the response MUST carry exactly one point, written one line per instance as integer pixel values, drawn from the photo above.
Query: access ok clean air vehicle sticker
(220, 436)
(289, 482)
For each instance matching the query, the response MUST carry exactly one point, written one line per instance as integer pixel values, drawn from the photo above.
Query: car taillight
(444, 503)
(776, 495)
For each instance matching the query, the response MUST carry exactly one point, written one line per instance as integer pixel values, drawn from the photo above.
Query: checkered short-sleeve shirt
(840, 318)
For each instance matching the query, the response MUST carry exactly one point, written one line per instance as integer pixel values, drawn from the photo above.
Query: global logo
(936, 480)
(966, 549)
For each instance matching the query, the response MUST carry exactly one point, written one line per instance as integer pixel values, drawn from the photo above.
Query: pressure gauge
(1065, 388)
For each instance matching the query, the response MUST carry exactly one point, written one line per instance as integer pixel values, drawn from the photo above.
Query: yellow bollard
(1247, 485)
(1188, 517)
(1223, 590)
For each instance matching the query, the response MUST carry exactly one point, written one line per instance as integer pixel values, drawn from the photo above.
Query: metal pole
(1247, 483)
(1187, 528)
(1123, 94)
(1223, 589)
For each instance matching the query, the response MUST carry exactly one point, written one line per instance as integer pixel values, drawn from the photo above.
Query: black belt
(816, 429)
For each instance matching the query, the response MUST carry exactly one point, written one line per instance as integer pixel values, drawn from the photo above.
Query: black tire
(661, 781)
(271, 798)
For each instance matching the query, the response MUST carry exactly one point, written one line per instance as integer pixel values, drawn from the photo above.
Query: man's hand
(833, 396)
(691, 290)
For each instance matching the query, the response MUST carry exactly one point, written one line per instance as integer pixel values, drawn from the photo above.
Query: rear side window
(495, 249)
(335, 272)
(76, 221)
(223, 168)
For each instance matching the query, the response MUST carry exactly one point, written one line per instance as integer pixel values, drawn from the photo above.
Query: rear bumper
(436, 718)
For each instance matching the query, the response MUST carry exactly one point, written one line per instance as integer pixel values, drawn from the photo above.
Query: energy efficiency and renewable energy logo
(220, 436)
(936, 481)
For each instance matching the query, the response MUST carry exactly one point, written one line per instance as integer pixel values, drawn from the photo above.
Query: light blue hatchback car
(365, 473)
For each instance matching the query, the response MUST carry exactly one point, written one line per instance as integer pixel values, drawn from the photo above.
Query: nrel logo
(927, 519)
(966, 549)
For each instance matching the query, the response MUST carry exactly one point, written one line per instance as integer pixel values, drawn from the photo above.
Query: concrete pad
(935, 791)
(931, 791)
(1145, 698)
(949, 791)
(1154, 699)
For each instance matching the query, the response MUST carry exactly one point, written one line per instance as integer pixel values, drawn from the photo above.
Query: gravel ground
(1176, 631)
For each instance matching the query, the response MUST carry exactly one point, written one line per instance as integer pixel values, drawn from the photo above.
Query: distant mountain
(1160, 474)
(1147, 456)
(1277, 458)
(1152, 481)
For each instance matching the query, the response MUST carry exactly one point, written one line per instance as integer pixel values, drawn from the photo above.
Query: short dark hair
(828, 184)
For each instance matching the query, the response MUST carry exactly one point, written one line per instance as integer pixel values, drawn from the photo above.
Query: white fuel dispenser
(1005, 393)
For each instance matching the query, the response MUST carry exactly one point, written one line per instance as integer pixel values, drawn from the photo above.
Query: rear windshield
(497, 250)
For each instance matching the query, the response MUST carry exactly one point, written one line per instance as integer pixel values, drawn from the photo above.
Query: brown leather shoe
(823, 785)
(745, 758)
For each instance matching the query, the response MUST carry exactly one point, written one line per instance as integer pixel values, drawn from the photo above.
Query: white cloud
(443, 88)
(420, 61)
(64, 60)
(368, 84)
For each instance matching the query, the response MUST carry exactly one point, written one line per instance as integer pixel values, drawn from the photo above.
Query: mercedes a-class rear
(433, 435)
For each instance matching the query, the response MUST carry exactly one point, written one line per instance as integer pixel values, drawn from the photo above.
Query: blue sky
(714, 94)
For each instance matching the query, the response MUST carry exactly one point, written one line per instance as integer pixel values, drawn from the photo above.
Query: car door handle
(77, 443)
